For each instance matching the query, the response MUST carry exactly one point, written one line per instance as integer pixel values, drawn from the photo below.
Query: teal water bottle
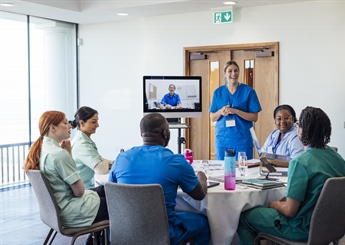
(230, 169)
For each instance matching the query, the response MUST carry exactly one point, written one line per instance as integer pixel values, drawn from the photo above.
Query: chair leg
(73, 240)
(257, 240)
(105, 235)
(95, 237)
(189, 241)
(46, 241)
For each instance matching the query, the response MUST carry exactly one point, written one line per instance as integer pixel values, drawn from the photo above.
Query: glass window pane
(52, 68)
(14, 119)
(36, 75)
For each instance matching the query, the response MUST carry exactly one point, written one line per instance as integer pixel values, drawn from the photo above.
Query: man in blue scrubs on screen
(171, 100)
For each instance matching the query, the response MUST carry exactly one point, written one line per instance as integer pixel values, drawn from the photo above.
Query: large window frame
(38, 72)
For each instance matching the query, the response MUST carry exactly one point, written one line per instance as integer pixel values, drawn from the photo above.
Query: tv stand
(174, 120)
(176, 124)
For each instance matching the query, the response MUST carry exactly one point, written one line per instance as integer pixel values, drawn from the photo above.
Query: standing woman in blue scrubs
(234, 108)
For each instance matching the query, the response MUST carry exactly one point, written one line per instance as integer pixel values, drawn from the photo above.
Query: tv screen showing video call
(161, 93)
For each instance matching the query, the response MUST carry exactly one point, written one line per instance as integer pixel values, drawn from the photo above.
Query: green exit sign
(222, 17)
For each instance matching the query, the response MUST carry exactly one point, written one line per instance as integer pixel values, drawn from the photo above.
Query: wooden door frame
(204, 49)
(231, 47)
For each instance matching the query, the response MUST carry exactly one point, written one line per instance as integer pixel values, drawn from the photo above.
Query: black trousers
(102, 213)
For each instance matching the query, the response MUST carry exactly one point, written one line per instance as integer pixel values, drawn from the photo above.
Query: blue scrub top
(290, 145)
(244, 99)
(149, 164)
(173, 101)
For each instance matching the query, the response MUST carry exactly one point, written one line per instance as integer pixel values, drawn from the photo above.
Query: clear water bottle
(230, 169)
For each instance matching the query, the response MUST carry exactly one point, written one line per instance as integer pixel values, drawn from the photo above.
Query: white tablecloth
(223, 207)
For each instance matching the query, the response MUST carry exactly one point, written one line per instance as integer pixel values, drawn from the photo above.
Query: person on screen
(284, 140)
(171, 100)
(307, 174)
(153, 163)
(52, 154)
(234, 108)
(84, 150)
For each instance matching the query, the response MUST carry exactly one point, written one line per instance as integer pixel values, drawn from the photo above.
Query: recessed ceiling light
(122, 14)
(229, 3)
(7, 4)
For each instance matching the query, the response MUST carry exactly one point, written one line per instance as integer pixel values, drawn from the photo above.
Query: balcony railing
(12, 158)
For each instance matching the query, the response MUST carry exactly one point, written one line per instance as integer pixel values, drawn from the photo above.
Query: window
(38, 72)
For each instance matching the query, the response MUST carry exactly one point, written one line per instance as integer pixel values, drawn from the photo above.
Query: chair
(328, 220)
(49, 211)
(137, 214)
(334, 148)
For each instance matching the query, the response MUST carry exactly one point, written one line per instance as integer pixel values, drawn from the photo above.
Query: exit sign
(222, 17)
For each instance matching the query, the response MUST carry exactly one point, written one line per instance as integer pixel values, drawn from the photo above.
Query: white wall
(115, 56)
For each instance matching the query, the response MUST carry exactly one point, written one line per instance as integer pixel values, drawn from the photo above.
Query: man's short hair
(152, 123)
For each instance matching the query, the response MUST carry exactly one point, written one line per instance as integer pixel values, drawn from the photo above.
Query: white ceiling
(98, 11)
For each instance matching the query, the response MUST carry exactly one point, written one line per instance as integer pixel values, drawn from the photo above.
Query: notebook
(212, 184)
(262, 183)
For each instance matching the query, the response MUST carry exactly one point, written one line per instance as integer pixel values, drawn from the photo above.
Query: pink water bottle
(188, 154)
(230, 170)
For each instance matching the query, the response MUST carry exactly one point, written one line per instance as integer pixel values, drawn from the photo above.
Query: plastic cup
(243, 166)
(206, 168)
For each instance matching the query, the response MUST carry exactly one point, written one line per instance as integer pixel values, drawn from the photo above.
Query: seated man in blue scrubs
(171, 100)
(152, 163)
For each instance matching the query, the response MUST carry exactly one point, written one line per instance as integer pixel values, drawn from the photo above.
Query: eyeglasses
(286, 118)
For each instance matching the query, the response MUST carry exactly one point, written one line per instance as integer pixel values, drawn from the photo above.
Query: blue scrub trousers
(192, 225)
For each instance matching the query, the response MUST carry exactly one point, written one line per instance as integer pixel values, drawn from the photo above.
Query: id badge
(230, 123)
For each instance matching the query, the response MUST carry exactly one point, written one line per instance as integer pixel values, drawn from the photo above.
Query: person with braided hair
(307, 173)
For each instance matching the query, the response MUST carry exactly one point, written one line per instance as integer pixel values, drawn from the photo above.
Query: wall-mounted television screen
(173, 96)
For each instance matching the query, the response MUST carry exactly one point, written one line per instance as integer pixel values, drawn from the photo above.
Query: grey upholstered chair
(328, 219)
(49, 211)
(138, 214)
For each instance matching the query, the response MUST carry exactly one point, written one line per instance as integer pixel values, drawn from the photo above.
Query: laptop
(271, 156)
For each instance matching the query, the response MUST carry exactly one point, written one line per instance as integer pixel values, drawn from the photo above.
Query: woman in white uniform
(84, 150)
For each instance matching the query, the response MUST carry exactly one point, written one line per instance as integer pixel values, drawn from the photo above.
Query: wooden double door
(259, 68)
